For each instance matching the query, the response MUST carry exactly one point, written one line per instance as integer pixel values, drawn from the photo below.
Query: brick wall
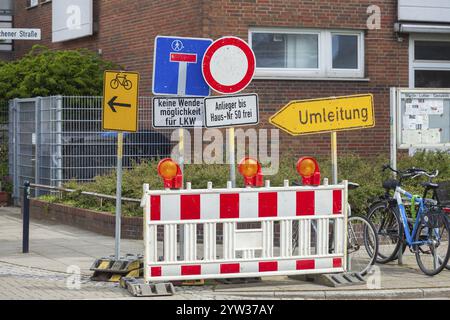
(126, 31)
(99, 222)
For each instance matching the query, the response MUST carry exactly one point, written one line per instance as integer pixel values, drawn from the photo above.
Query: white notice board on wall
(423, 119)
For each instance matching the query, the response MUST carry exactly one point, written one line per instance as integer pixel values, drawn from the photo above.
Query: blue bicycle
(426, 233)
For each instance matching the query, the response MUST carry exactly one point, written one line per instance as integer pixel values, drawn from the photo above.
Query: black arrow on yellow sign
(112, 104)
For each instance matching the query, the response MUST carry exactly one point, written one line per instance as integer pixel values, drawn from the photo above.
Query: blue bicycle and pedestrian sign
(177, 68)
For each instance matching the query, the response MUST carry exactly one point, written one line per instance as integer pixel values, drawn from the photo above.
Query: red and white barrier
(215, 245)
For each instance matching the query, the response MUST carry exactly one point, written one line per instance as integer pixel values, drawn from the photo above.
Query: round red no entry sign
(228, 65)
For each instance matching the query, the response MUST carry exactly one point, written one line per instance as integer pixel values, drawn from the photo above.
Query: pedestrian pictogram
(120, 101)
(229, 65)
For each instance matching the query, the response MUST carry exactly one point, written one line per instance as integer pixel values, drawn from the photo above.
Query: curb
(411, 293)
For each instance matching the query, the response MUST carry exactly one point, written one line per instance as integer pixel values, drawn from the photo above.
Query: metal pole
(334, 164)
(393, 124)
(181, 150)
(26, 217)
(119, 192)
(232, 156)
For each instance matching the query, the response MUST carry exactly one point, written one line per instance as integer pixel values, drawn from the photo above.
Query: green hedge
(366, 172)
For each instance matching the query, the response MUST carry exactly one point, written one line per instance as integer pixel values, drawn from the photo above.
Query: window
(6, 22)
(429, 61)
(300, 54)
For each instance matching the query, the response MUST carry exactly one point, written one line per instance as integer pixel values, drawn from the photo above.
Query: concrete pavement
(57, 250)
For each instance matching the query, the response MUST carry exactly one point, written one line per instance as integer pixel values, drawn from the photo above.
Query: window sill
(266, 77)
(31, 7)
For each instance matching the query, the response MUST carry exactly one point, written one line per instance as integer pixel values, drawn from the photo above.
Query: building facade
(304, 48)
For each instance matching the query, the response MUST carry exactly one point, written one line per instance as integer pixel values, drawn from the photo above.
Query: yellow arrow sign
(120, 101)
(325, 115)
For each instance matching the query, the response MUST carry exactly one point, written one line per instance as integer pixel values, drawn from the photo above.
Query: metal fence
(3, 145)
(56, 139)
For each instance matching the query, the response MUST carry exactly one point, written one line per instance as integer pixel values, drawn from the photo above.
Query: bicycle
(121, 80)
(444, 205)
(362, 241)
(424, 236)
(379, 213)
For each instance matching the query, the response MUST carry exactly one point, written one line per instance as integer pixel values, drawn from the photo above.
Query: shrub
(45, 72)
(366, 172)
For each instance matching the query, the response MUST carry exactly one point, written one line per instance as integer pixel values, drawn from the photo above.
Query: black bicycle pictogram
(121, 80)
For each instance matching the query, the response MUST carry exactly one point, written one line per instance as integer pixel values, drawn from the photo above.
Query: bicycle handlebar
(412, 172)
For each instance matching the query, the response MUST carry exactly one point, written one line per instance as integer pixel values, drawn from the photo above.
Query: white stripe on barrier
(322, 206)
(286, 204)
(248, 205)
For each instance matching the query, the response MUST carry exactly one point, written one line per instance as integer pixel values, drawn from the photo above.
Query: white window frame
(430, 65)
(325, 59)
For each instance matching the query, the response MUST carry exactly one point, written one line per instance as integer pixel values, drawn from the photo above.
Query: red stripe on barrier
(268, 266)
(155, 208)
(155, 271)
(305, 264)
(229, 205)
(230, 268)
(337, 262)
(446, 210)
(305, 203)
(267, 204)
(337, 201)
(191, 270)
(190, 207)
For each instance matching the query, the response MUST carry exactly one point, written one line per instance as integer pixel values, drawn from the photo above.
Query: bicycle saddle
(352, 185)
(390, 184)
(430, 185)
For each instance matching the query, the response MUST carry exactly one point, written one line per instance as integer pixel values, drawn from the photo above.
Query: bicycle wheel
(362, 245)
(433, 254)
(114, 83)
(128, 84)
(388, 226)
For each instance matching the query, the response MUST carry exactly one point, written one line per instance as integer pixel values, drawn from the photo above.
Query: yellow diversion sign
(325, 115)
(120, 101)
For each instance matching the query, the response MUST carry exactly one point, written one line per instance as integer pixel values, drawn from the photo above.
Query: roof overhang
(409, 27)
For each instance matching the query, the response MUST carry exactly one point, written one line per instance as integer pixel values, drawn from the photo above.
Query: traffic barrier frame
(245, 252)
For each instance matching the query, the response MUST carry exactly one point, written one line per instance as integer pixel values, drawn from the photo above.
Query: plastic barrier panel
(244, 232)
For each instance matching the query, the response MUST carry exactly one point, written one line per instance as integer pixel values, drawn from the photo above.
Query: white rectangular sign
(20, 34)
(177, 112)
(230, 111)
(72, 19)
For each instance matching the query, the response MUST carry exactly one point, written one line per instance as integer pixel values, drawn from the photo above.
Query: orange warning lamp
(250, 169)
(170, 171)
(308, 168)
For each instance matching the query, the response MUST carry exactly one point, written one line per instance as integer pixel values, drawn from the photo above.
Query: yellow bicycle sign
(120, 101)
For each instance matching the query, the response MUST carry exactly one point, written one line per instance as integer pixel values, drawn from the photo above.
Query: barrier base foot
(333, 280)
(112, 269)
(138, 288)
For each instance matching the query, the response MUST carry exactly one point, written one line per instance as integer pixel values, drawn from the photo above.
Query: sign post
(228, 67)
(119, 192)
(326, 115)
(120, 113)
(334, 164)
